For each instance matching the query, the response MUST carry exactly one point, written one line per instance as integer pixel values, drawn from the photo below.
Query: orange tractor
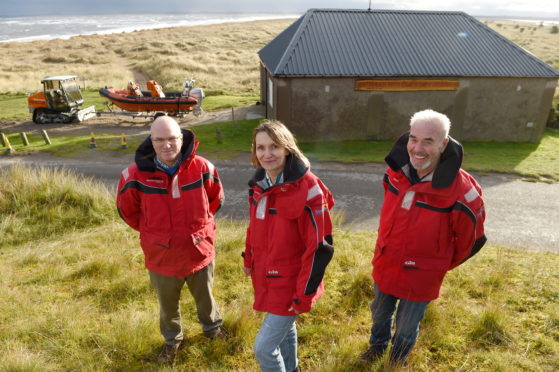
(59, 102)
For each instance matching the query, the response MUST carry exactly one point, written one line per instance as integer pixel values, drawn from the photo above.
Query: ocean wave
(20, 29)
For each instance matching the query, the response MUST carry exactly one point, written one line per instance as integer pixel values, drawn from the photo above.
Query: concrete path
(520, 214)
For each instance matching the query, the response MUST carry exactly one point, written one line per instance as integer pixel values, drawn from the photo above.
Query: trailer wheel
(158, 114)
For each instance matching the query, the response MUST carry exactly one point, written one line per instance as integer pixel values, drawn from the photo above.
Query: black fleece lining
(135, 184)
(146, 153)
(322, 257)
(421, 204)
(391, 188)
(192, 185)
(445, 172)
(313, 221)
(464, 208)
(293, 170)
(478, 244)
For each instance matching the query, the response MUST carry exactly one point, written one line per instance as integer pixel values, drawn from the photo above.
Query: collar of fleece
(145, 154)
(445, 172)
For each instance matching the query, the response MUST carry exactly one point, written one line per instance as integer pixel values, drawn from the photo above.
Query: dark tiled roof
(336, 42)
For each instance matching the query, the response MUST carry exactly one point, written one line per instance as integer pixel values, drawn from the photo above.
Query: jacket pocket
(281, 282)
(423, 276)
(203, 242)
(155, 247)
(426, 263)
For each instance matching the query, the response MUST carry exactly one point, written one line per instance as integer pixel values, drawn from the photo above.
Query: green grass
(218, 102)
(14, 106)
(76, 296)
(537, 162)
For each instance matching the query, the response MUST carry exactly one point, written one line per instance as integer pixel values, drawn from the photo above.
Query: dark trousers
(168, 290)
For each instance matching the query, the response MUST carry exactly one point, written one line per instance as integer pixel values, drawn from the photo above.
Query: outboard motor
(197, 93)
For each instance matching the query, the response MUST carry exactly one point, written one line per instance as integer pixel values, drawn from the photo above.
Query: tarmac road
(520, 214)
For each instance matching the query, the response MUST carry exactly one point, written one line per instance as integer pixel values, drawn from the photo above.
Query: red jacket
(174, 214)
(426, 228)
(289, 240)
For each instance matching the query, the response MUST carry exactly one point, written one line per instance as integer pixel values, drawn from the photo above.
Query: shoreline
(93, 24)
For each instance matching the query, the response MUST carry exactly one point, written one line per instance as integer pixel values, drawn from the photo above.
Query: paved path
(519, 214)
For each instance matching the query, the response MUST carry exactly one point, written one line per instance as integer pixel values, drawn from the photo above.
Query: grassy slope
(77, 297)
(223, 59)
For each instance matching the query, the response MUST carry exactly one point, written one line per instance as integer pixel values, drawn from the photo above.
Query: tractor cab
(59, 101)
(62, 92)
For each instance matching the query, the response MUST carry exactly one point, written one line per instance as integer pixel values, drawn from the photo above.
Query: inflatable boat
(155, 99)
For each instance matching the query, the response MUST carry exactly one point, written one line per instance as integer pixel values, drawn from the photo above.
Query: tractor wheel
(39, 116)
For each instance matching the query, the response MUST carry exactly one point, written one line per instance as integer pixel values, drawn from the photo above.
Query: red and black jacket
(174, 214)
(426, 228)
(289, 240)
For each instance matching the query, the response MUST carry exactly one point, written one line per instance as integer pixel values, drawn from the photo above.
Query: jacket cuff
(302, 306)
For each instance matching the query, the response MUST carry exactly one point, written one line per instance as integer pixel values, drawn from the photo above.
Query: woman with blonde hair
(288, 242)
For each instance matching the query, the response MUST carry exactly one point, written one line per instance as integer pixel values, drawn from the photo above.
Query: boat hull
(172, 103)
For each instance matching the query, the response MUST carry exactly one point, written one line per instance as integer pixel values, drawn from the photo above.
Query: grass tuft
(80, 299)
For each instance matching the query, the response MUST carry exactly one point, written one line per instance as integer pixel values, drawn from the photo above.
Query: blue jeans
(408, 316)
(275, 347)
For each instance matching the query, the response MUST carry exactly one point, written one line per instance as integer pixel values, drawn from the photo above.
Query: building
(338, 74)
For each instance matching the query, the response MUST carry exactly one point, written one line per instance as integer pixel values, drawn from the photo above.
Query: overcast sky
(508, 8)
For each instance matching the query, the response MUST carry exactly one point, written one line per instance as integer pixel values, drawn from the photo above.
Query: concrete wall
(499, 109)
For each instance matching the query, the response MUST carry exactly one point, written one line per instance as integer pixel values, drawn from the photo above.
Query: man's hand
(247, 270)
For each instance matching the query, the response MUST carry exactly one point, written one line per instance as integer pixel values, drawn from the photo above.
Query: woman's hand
(247, 270)
(292, 309)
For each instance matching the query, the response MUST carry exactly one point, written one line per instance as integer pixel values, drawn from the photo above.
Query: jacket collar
(445, 172)
(145, 153)
(293, 170)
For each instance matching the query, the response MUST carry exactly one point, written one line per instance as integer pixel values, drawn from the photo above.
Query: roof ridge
(291, 45)
(335, 10)
(513, 44)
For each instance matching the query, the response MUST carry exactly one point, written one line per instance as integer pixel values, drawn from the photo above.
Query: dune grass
(75, 296)
(222, 58)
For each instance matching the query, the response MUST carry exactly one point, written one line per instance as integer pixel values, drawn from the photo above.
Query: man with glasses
(170, 196)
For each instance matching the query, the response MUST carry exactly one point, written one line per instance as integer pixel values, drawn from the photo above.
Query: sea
(14, 29)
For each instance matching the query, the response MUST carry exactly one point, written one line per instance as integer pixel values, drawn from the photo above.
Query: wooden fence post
(218, 136)
(46, 137)
(7, 144)
(24, 138)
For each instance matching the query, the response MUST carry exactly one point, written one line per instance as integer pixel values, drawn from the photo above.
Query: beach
(20, 29)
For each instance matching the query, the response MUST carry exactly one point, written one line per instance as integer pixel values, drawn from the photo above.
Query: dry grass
(222, 58)
(77, 297)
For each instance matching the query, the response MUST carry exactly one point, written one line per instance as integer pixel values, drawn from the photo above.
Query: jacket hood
(145, 154)
(445, 172)
(293, 170)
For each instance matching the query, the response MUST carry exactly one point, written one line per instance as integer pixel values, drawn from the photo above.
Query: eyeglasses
(161, 141)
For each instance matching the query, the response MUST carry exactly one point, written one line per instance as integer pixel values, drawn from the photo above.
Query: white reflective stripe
(314, 191)
(125, 174)
(211, 167)
(471, 195)
(261, 208)
(408, 200)
(176, 191)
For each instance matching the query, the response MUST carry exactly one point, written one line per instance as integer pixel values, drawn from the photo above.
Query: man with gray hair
(170, 196)
(431, 221)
